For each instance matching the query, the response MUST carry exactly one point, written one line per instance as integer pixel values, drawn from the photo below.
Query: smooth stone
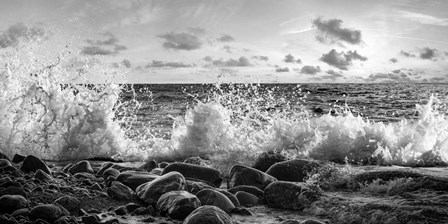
(41, 175)
(81, 167)
(96, 187)
(133, 179)
(208, 214)
(120, 191)
(103, 168)
(11, 203)
(177, 204)
(3, 156)
(70, 203)
(32, 163)
(163, 164)
(17, 158)
(47, 212)
(195, 172)
(84, 175)
(121, 210)
(289, 195)
(213, 197)
(267, 159)
(21, 212)
(5, 220)
(149, 166)
(157, 171)
(130, 207)
(247, 199)
(243, 175)
(4, 163)
(13, 190)
(150, 192)
(195, 186)
(230, 196)
(110, 172)
(90, 219)
(295, 170)
(249, 189)
(242, 211)
(145, 211)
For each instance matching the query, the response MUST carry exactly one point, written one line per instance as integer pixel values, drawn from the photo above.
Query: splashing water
(48, 110)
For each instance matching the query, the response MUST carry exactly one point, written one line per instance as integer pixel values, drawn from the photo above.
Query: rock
(47, 212)
(21, 212)
(247, 199)
(145, 211)
(290, 221)
(163, 164)
(3, 156)
(242, 211)
(196, 160)
(84, 175)
(18, 158)
(157, 171)
(5, 220)
(311, 221)
(208, 215)
(110, 172)
(103, 168)
(130, 207)
(150, 192)
(32, 163)
(243, 175)
(267, 159)
(13, 190)
(133, 179)
(70, 203)
(120, 191)
(295, 170)
(4, 163)
(11, 203)
(194, 186)
(96, 187)
(289, 195)
(177, 204)
(249, 189)
(121, 210)
(195, 172)
(148, 166)
(90, 219)
(81, 167)
(212, 197)
(42, 176)
(230, 196)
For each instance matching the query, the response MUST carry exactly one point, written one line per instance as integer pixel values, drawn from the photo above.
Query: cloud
(388, 77)
(241, 62)
(111, 40)
(95, 50)
(261, 58)
(291, 59)
(310, 70)
(12, 36)
(162, 64)
(423, 18)
(225, 38)
(285, 69)
(126, 63)
(428, 53)
(393, 60)
(181, 41)
(330, 31)
(407, 54)
(208, 59)
(341, 60)
(109, 46)
(227, 48)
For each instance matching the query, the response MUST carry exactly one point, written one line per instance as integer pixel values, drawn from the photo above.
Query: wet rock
(47, 212)
(18, 158)
(13, 190)
(110, 172)
(208, 214)
(243, 175)
(11, 203)
(242, 211)
(103, 168)
(249, 189)
(289, 195)
(194, 186)
(247, 199)
(312, 221)
(230, 196)
(150, 210)
(121, 210)
(84, 175)
(177, 204)
(133, 179)
(295, 170)
(21, 212)
(42, 176)
(150, 192)
(4, 163)
(195, 172)
(130, 207)
(267, 159)
(150, 165)
(81, 167)
(290, 221)
(212, 197)
(120, 191)
(32, 164)
(163, 164)
(5, 220)
(90, 219)
(70, 203)
(157, 171)
(3, 156)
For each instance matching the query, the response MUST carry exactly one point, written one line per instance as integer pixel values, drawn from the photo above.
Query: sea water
(69, 107)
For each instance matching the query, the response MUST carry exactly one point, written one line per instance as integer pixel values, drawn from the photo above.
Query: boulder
(177, 204)
(163, 164)
(230, 196)
(249, 189)
(47, 212)
(120, 191)
(150, 192)
(208, 214)
(213, 197)
(17, 158)
(196, 172)
(267, 159)
(243, 175)
(103, 168)
(4, 163)
(289, 195)
(70, 203)
(133, 179)
(295, 170)
(3, 156)
(157, 171)
(247, 199)
(42, 176)
(11, 203)
(148, 166)
(32, 163)
(195, 186)
(110, 172)
(81, 167)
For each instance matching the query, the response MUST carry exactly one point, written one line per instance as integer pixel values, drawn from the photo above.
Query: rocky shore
(273, 190)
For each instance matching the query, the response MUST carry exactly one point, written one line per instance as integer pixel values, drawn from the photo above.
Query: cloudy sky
(164, 41)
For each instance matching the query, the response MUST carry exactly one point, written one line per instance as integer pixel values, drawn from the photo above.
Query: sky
(283, 41)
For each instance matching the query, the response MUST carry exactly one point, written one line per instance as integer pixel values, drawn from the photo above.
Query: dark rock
(295, 170)
(130, 207)
(242, 211)
(249, 189)
(81, 167)
(47, 212)
(21, 212)
(150, 192)
(177, 204)
(208, 214)
(290, 221)
(157, 171)
(120, 191)
(247, 199)
(42, 176)
(103, 168)
(5, 220)
(10, 203)
(150, 210)
(194, 186)
(4, 163)
(213, 197)
(91, 219)
(96, 187)
(84, 175)
(110, 172)
(243, 175)
(3, 156)
(195, 172)
(230, 196)
(32, 163)
(163, 164)
(267, 159)
(150, 165)
(289, 195)
(12, 190)
(133, 179)
(18, 158)
(70, 203)
(121, 210)
(311, 221)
